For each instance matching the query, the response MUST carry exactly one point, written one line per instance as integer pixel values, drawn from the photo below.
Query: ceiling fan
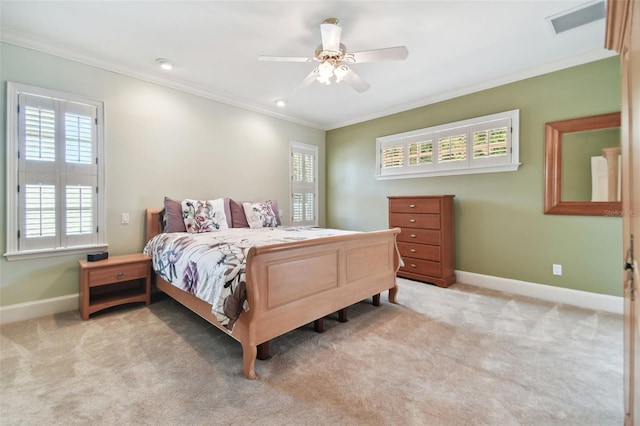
(334, 59)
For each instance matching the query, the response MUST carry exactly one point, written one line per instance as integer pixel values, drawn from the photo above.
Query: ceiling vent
(577, 17)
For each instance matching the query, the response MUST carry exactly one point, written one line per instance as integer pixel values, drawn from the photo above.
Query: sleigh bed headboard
(153, 223)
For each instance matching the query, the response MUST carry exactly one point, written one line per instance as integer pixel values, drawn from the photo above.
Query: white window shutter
(38, 206)
(54, 151)
(422, 152)
(304, 184)
(476, 145)
(491, 143)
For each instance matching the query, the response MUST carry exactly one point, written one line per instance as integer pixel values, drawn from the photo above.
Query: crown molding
(573, 61)
(18, 39)
(21, 40)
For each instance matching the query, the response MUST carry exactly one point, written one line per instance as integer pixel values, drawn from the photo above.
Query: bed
(295, 283)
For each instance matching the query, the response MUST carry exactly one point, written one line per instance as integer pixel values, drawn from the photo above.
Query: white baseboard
(38, 308)
(582, 299)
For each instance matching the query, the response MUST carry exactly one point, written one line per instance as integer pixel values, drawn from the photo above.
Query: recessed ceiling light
(280, 103)
(164, 64)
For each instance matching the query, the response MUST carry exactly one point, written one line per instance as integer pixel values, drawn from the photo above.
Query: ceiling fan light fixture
(340, 72)
(325, 70)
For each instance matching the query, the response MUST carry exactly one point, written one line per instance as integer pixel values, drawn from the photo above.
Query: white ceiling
(455, 47)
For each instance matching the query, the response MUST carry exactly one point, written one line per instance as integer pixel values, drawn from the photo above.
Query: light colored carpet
(456, 356)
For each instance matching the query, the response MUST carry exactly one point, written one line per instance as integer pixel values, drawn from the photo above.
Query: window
(478, 145)
(304, 184)
(54, 171)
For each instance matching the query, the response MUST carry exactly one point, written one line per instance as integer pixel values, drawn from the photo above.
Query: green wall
(500, 226)
(158, 141)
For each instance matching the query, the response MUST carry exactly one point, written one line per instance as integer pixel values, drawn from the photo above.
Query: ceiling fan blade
(310, 78)
(355, 81)
(284, 58)
(331, 32)
(397, 53)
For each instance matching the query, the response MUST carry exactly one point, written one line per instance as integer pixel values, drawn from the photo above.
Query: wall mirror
(582, 166)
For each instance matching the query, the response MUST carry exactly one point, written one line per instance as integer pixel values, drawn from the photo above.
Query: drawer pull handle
(120, 275)
(412, 220)
(413, 235)
(413, 250)
(413, 265)
(412, 206)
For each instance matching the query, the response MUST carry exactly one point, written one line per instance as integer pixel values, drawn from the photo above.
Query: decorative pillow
(227, 211)
(172, 218)
(239, 219)
(259, 215)
(274, 207)
(204, 216)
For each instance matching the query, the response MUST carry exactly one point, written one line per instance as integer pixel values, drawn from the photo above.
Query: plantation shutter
(57, 173)
(393, 157)
(491, 143)
(80, 178)
(476, 145)
(421, 152)
(304, 186)
(452, 148)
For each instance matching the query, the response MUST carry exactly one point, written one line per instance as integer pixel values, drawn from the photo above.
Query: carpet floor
(457, 356)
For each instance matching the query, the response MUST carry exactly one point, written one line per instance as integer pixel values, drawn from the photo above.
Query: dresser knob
(412, 206)
(412, 220)
(413, 265)
(413, 250)
(120, 275)
(413, 235)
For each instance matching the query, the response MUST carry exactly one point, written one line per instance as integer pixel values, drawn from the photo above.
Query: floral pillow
(239, 219)
(204, 216)
(260, 215)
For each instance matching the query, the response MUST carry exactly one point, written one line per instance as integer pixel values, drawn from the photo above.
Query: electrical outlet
(557, 269)
(125, 218)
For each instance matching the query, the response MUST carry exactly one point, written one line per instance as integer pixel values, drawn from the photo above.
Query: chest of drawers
(426, 242)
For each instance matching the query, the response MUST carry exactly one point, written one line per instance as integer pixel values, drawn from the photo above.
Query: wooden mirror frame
(553, 203)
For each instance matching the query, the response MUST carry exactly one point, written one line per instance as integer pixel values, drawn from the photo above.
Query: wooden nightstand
(114, 281)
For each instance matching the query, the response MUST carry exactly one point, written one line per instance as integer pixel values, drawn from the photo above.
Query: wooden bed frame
(292, 284)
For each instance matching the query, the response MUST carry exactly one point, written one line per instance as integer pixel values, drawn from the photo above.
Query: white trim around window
(55, 173)
(478, 145)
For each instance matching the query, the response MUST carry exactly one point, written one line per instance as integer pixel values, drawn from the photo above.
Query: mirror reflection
(591, 165)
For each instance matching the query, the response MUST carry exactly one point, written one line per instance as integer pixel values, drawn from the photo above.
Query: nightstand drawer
(419, 236)
(409, 205)
(412, 220)
(116, 273)
(423, 267)
(419, 251)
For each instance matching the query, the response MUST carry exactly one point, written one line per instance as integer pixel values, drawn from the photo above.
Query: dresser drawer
(419, 236)
(419, 251)
(423, 267)
(112, 274)
(410, 205)
(412, 220)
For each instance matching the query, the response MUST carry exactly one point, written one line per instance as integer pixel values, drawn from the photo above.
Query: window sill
(452, 172)
(35, 254)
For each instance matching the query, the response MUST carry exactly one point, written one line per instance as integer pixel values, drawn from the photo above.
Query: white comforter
(211, 265)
